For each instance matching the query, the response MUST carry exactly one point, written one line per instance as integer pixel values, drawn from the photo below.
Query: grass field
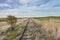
(47, 18)
(2, 19)
(51, 25)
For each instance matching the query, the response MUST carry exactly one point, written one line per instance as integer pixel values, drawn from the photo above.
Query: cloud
(19, 3)
(2, 4)
(24, 1)
(33, 2)
(30, 7)
(9, 4)
(57, 5)
(29, 11)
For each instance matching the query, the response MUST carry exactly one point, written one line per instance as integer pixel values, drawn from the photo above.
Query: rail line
(9, 30)
(30, 31)
(33, 28)
(24, 30)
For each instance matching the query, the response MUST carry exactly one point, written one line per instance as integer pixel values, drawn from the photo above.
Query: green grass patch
(47, 18)
(12, 34)
(1, 32)
(2, 19)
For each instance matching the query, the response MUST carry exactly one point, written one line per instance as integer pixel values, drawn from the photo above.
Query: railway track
(22, 35)
(31, 31)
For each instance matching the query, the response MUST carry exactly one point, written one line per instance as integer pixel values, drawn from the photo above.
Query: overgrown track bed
(5, 34)
(24, 30)
(31, 31)
(27, 30)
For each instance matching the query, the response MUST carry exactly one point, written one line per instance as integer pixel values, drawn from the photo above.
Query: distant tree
(12, 20)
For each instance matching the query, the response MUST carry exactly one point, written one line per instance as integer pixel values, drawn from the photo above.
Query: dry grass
(53, 27)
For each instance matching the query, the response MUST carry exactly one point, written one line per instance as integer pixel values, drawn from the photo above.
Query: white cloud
(48, 5)
(24, 1)
(29, 11)
(8, 12)
(9, 1)
(2, 4)
(27, 1)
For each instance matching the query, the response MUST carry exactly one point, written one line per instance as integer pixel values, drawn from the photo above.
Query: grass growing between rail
(15, 33)
(1, 32)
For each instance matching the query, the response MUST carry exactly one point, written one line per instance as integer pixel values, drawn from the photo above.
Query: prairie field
(51, 25)
(35, 28)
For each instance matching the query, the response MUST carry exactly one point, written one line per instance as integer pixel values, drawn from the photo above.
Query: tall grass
(51, 26)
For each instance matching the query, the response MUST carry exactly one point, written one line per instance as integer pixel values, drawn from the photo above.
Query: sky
(29, 8)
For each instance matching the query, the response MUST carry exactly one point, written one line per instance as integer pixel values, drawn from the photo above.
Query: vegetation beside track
(47, 18)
